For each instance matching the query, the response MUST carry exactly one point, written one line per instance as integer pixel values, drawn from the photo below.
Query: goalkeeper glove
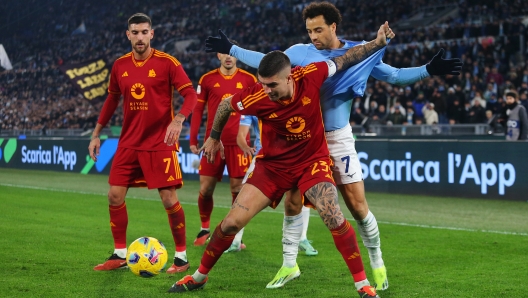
(439, 66)
(220, 44)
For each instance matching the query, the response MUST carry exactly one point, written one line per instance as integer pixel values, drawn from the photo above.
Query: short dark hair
(139, 18)
(512, 94)
(272, 63)
(328, 10)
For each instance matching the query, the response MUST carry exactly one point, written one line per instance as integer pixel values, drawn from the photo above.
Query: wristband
(215, 135)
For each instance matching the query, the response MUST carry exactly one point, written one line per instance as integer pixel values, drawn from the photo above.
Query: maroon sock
(217, 245)
(177, 225)
(205, 207)
(118, 224)
(346, 242)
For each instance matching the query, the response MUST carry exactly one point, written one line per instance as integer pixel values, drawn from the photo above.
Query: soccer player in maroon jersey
(146, 154)
(293, 155)
(213, 87)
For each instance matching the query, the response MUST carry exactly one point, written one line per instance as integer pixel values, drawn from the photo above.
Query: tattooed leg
(324, 197)
(249, 202)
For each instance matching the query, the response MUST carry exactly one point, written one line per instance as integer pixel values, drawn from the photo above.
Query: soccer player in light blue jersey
(322, 19)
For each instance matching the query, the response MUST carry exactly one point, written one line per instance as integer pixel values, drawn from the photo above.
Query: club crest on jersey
(152, 73)
(239, 85)
(306, 101)
(240, 106)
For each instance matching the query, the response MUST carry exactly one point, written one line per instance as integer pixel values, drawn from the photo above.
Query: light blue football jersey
(338, 91)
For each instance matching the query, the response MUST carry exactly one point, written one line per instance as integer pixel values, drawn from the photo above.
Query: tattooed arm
(212, 145)
(359, 53)
(221, 117)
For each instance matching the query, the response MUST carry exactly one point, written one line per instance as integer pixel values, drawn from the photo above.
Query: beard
(141, 51)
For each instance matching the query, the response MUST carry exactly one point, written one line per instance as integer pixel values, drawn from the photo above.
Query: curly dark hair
(328, 10)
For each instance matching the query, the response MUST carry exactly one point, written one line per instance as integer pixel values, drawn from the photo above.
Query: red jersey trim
(183, 86)
(140, 64)
(248, 73)
(167, 56)
(227, 77)
(253, 98)
(124, 56)
(206, 74)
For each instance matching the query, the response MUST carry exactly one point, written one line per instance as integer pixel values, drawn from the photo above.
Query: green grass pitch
(54, 228)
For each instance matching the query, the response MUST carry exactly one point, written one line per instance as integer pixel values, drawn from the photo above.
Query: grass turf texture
(54, 229)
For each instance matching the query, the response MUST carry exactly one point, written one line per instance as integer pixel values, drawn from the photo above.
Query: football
(146, 257)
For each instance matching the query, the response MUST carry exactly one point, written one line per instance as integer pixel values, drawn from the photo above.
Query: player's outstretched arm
(213, 144)
(223, 45)
(359, 53)
(439, 66)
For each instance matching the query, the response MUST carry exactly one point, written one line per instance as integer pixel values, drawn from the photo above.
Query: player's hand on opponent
(439, 66)
(93, 148)
(384, 33)
(220, 44)
(249, 151)
(194, 149)
(211, 147)
(173, 130)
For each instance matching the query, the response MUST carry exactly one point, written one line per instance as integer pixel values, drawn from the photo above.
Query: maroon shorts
(274, 182)
(154, 169)
(236, 163)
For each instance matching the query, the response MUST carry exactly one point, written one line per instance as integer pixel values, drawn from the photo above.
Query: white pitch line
(268, 210)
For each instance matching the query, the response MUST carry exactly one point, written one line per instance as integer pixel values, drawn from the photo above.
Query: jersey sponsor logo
(152, 73)
(170, 178)
(295, 124)
(272, 115)
(240, 106)
(226, 96)
(199, 89)
(239, 85)
(138, 91)
(306, 101)
(216, 85)
(125, 74)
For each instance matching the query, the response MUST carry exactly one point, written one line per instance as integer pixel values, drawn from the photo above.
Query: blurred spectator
(430, 115)
(477, 113)
(455, 113)
(396, 116)
(478, 97)
(517, 125)
(418, 105)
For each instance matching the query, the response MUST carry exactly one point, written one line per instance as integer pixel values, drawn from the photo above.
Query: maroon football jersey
(147, 87)
(292, 131)
(214, 87)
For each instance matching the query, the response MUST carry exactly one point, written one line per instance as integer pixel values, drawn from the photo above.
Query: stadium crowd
(488, 36)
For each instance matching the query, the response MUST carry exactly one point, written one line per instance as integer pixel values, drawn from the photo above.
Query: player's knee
(115, 198)
(231, 225)
(292, 209)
